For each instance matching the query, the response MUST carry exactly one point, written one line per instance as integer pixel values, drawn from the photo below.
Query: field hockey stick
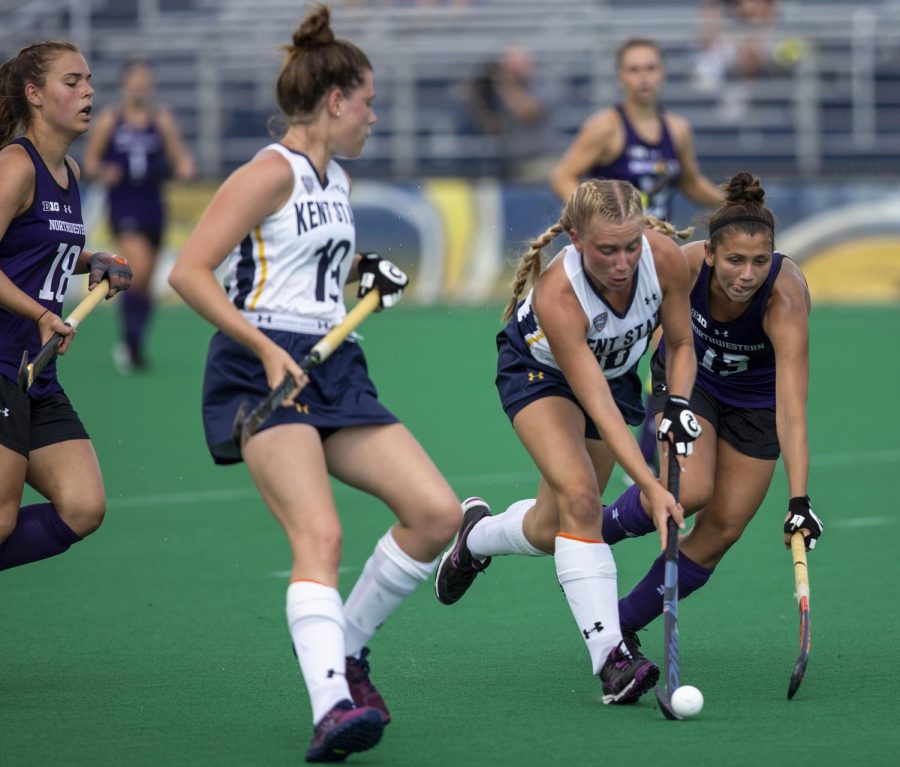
(801, 588)
(28, 371)
(246, 424)
(672, 672)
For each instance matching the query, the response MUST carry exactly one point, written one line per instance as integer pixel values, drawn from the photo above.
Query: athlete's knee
(580, 503)
(83, 514)
(8, 518)
(719, 535)
(436, 520)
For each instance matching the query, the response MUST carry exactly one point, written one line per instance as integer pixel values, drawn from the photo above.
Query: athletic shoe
(458, 567)
(632, 643)
(344, 730)
(361, 687)
(127, 360)
(626, 678)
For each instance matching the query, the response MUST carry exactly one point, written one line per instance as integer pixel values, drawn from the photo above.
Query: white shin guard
(388, 577)
(587, 574)
(316, 622)
(503, 534)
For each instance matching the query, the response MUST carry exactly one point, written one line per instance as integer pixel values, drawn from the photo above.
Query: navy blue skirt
(339, 393)
(521, 380)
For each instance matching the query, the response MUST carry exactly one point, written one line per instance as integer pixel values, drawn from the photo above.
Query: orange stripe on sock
(309, 580)
(576, 538)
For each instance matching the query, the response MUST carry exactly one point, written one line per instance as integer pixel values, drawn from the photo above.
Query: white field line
(825, 460)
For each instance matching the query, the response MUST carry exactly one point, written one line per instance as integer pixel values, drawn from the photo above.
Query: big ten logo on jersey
(698, 318)
(315, 213)
(51, 206)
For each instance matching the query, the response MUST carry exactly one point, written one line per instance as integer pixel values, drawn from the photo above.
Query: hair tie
(734, 219)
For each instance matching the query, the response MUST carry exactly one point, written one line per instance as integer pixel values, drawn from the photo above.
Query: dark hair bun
(315, 29)
(743, 188)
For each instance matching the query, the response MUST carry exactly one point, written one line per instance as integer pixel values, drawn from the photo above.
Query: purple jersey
(653, 168)
(135, 201)
(735, 360)
(39, 253)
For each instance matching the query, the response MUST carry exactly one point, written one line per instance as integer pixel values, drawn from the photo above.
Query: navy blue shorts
(521, 380)
(750, 431)
(27, 424)
(152, 230)
(339, 394)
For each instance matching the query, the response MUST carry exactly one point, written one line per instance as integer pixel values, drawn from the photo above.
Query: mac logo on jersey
(599, 322)
(309, 183)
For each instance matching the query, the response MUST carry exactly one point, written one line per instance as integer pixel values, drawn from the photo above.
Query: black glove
(112, 267)
(376, 272)
(679, 425)
(800, 516)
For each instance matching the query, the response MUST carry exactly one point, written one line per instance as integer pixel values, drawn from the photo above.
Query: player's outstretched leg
(458, 567)
(626, 677)
(361, 688)
(344, 730)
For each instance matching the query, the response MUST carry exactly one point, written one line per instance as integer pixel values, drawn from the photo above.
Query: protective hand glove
(800, 516)
(377, 272)
(114, 268)
(679, 425)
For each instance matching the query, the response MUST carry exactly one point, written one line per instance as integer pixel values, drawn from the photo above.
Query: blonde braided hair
(614, 200)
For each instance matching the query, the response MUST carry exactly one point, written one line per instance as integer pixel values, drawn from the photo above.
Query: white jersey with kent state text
(289, 272)
(617, 340)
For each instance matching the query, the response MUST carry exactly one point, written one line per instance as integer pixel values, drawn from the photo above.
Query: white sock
(316, 621)
(587, 574)
(503, 534)
(389, 576)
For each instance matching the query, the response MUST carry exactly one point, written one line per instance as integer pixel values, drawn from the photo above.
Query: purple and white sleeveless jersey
(735, 360)
(38, 253)
(653, 168)
(136, 200)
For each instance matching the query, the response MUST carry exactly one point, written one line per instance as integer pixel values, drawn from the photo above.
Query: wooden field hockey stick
(671, 669)
(28, 371)
(801, 589)
(246, 424)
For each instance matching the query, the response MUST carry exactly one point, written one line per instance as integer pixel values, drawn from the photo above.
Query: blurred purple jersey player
(750, 308)
(132, 149)
(45, 104)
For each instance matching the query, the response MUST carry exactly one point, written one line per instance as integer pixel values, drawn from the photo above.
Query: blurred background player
(638, 141)
(131, 150)
(750, 308)
(567, 377)
(285, 219)
(45, 104)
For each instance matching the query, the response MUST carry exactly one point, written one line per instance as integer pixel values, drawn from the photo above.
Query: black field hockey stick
(247, 422)
(801, 589)
(671, 669)
(28, 371)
